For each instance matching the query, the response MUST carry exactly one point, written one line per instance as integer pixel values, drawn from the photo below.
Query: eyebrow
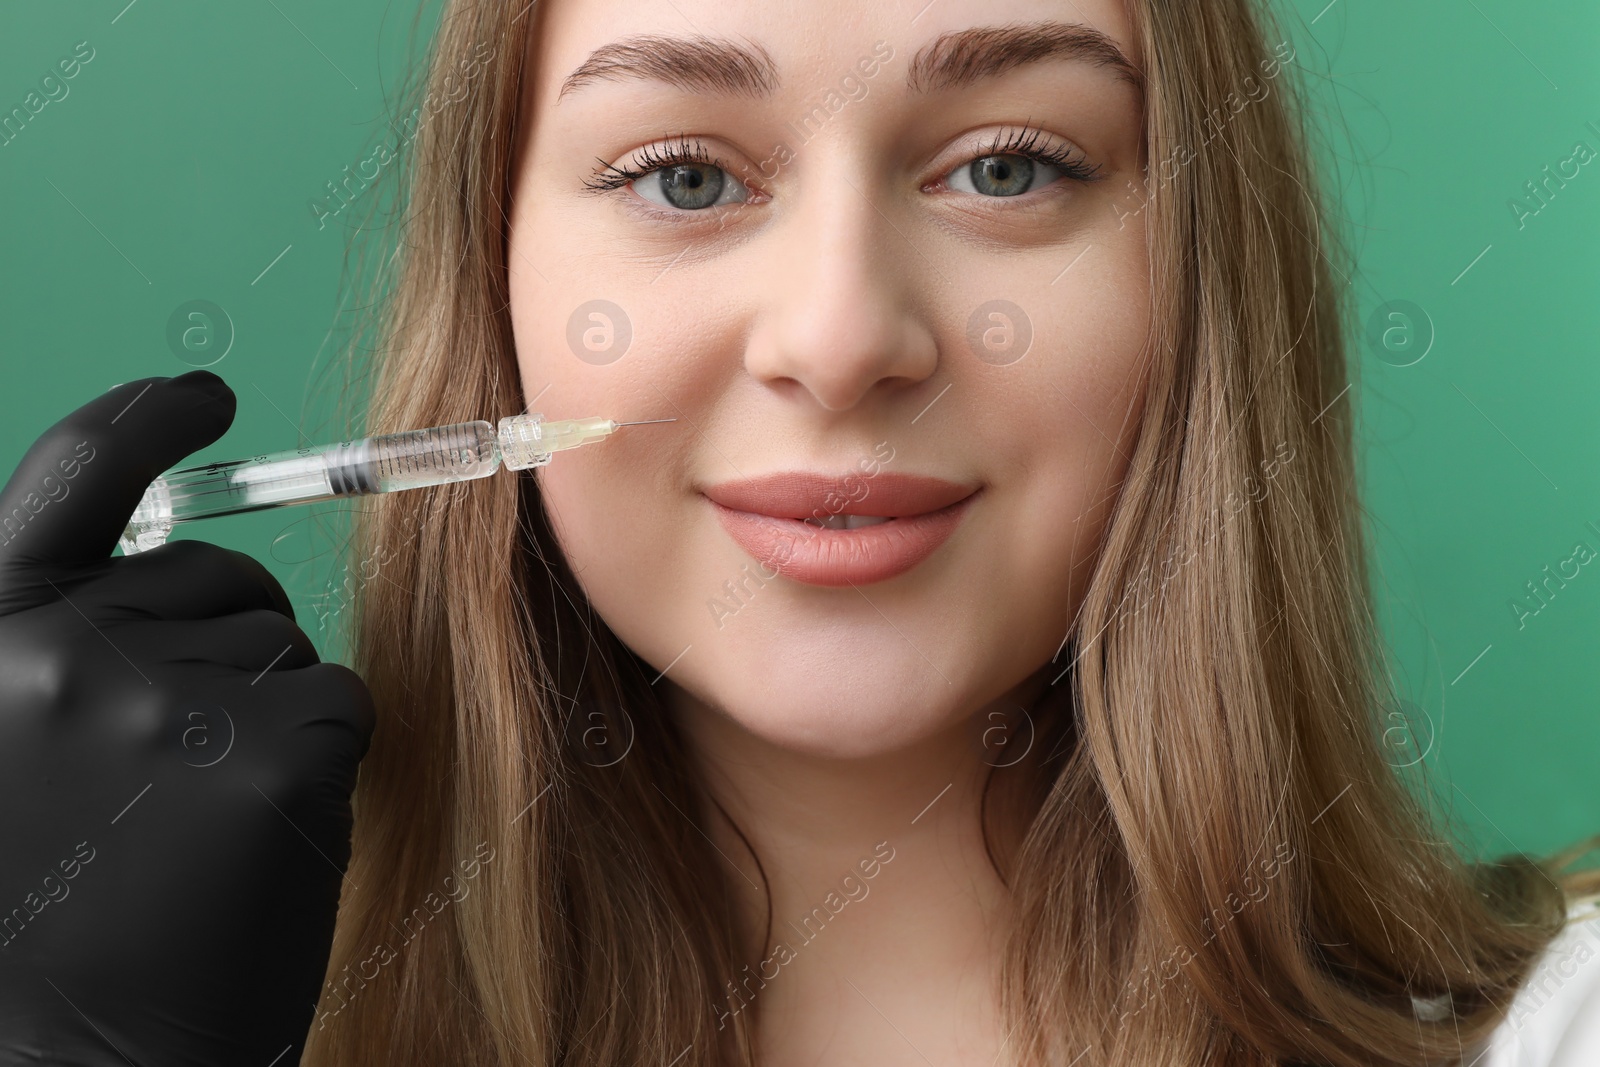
(706, 65)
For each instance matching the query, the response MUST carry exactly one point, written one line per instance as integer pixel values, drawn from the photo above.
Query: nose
(840, 316)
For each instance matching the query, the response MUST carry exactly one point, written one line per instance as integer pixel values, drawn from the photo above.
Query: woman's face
(888, 246)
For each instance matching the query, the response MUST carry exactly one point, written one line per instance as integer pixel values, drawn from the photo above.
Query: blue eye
(690, 186)
(682, 177)
(1008, 175)
(1010, 168)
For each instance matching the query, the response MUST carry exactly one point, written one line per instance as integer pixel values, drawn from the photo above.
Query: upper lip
(807, 494)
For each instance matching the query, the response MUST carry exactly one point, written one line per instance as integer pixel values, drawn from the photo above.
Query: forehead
(762, 48)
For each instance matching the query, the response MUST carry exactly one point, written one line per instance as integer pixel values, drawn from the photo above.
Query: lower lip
(815, 555)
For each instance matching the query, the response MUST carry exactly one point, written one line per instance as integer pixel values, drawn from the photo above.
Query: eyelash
(651, 159)
(1023, 142)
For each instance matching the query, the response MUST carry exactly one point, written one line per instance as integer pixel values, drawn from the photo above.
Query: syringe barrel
(410, 460)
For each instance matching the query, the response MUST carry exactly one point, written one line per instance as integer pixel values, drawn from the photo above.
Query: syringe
(455, 453)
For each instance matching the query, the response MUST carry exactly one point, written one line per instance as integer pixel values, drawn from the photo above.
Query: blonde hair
(1221, 866)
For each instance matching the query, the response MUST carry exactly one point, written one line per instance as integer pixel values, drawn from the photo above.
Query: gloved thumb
(74, 490)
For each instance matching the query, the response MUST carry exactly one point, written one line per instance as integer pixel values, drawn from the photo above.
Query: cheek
(614, 535)
(589, 346)
(1062, 425)
(621, 509)
(581, 506)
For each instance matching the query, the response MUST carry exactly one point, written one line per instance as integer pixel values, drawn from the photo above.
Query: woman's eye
(1002, 175)
(690, 186)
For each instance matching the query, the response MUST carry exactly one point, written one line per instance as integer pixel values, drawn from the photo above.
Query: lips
(779, 520)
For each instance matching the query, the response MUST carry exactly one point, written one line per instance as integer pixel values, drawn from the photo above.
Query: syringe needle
(645, 422)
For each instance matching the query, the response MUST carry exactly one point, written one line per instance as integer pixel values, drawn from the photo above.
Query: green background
(181, 165)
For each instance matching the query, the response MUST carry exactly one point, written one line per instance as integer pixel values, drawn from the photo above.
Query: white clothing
(1555, 1018)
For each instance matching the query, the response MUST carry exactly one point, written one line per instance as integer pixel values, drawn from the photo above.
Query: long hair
(1221, 865)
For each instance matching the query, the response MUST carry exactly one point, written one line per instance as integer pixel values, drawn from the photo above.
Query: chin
(879, 705)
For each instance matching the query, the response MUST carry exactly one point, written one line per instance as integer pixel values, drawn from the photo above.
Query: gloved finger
(328, 695)
(253, 641)
(73, 492)
(188, 580)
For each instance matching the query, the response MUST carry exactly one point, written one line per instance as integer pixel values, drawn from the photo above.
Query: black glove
(176, 765)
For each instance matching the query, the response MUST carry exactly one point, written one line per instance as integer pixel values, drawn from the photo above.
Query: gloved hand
(176, 765)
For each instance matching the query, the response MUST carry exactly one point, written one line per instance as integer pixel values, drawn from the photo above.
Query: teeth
(849, 522)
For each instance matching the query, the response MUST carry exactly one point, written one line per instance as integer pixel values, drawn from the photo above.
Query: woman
(684, 756)
(1156, 589)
